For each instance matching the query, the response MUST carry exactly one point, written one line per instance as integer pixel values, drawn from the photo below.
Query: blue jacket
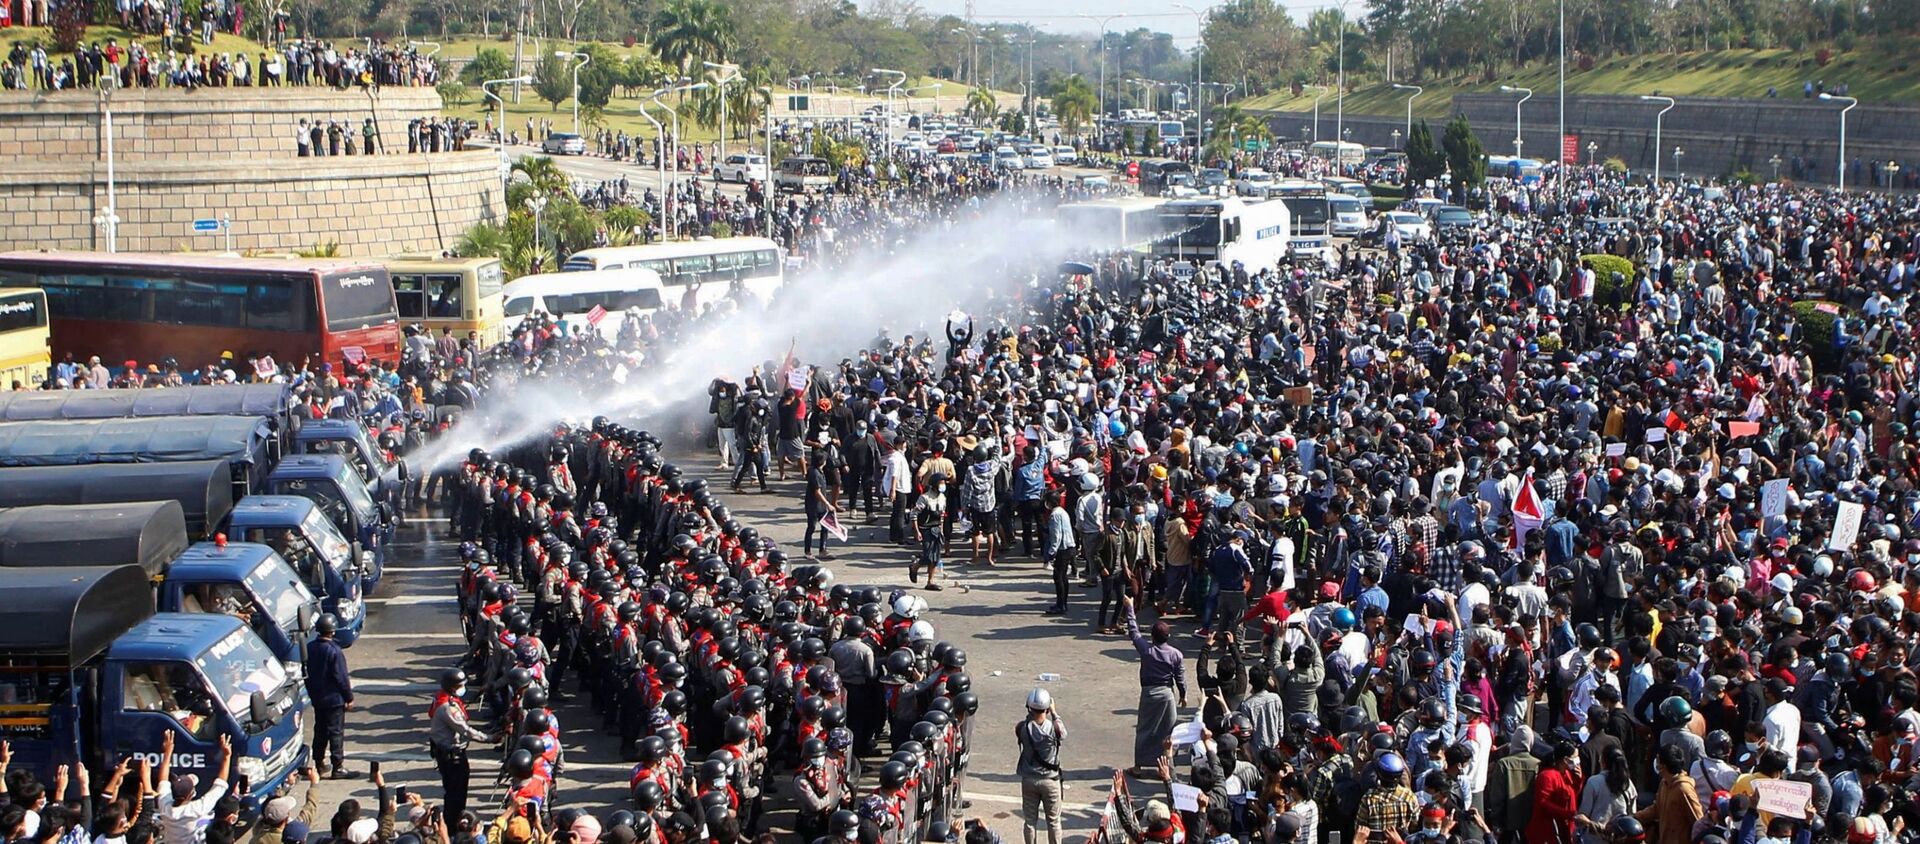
(327, 681)
(1030, 480)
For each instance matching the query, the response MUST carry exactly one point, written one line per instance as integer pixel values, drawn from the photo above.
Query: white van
(573, 297)
(1347, 215)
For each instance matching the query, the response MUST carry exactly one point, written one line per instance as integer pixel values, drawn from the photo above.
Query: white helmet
(903, 606)
(920, 631)
(1039, 700)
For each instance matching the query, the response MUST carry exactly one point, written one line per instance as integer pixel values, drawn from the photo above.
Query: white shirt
(896, 477)
(1782, 725)
(186, 823)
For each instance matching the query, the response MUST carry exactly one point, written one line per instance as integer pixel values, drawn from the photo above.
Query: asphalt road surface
(993, 613)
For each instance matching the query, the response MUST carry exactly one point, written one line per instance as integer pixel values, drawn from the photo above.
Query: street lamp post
(501, 126)
(1851, 102)
(1892, 168)
(1656, 98)
(1199, 69)
(539, 204)
(108, 219)
(1525, 95)
(584, 58)
(1102, 95)
(728, 73)
(766, 177)
(1417, 91)
(1775, 161)
(1316, 110)
(1679, 175)
(1396, 139)
(660, 163)
(1592, 148)
(881, 71)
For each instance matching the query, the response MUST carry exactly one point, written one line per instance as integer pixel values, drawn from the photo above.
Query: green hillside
(1885, 73)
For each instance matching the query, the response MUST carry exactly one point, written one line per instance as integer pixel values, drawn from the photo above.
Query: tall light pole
(1101, 95)
(1775, 161)
(660, 162)
(1679, 175)
(1199, 72)
(766, 178)
(1851, 102)
(728, 73)
(487, 89)
(666, 190)
(1525, 95)
(902, 80)
(584, 58)
(1417, 91)
(1560, 140)
(1656, 98)
(109, 218)
(1340, 87)
(1316, 110)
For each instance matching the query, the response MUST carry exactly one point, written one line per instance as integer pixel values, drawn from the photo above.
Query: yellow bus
(26, 343)
(462, 294)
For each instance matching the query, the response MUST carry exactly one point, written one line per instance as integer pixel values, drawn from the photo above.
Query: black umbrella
(1076, 268)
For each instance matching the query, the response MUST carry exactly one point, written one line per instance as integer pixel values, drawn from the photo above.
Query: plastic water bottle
(1049, 677)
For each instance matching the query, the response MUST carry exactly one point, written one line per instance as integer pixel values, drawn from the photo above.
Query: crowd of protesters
(167, 63)
(1477, 544)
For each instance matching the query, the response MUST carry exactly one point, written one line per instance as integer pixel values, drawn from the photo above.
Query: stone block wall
(204, 123)
(182, 156)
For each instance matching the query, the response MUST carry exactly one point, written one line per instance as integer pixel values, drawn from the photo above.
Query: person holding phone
(1040, 736)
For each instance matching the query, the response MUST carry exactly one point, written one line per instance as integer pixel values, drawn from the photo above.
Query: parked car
(1452, 218)
(1412, 227)
(564, 143)
(742, 167)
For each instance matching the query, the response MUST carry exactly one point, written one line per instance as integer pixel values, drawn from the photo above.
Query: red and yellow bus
(192, 308)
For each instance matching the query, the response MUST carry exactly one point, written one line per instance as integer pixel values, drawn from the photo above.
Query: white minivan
(742, 167)
(574, 296)
(1347, 216)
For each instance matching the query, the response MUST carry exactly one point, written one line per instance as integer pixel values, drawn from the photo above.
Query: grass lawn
(222, 42)
(1884, 71)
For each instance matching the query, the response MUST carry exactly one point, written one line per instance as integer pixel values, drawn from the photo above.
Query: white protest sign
(1846, 525)
(1773, 498)
(1788, 798)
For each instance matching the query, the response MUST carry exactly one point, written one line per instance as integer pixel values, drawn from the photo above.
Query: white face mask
(460, 692)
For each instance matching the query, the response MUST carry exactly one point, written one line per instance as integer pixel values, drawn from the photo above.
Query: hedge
(1813, 320)
(1613, 277)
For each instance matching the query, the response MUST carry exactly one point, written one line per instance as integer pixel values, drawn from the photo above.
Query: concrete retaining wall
(181, 156)
(1717, 135)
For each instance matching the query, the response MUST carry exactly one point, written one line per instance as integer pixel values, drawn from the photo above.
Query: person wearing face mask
(447, 738)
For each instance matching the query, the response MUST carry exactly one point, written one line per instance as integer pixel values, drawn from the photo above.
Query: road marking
(413, 600)
(413, 636)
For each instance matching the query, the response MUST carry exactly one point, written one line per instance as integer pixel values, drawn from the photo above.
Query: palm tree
(1074, 103)
(981, 106)
(542, 173)
(688, 32)
(746, 103)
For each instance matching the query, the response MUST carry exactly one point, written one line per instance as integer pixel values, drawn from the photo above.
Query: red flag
(595, 315)
(1527, 512)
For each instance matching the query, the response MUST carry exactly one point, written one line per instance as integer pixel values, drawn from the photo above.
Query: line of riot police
(719, 667)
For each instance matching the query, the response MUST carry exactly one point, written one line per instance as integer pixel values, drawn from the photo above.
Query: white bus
(573, 296)
(1225, 231)
(1346, 153)
(1312, 215)
(711, 268)
(1116, 223)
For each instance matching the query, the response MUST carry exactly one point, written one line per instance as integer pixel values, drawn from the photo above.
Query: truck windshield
(238, 666)
(333, 547)
(276, 587)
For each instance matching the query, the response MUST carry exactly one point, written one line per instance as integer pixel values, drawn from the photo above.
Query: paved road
(995, 614)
